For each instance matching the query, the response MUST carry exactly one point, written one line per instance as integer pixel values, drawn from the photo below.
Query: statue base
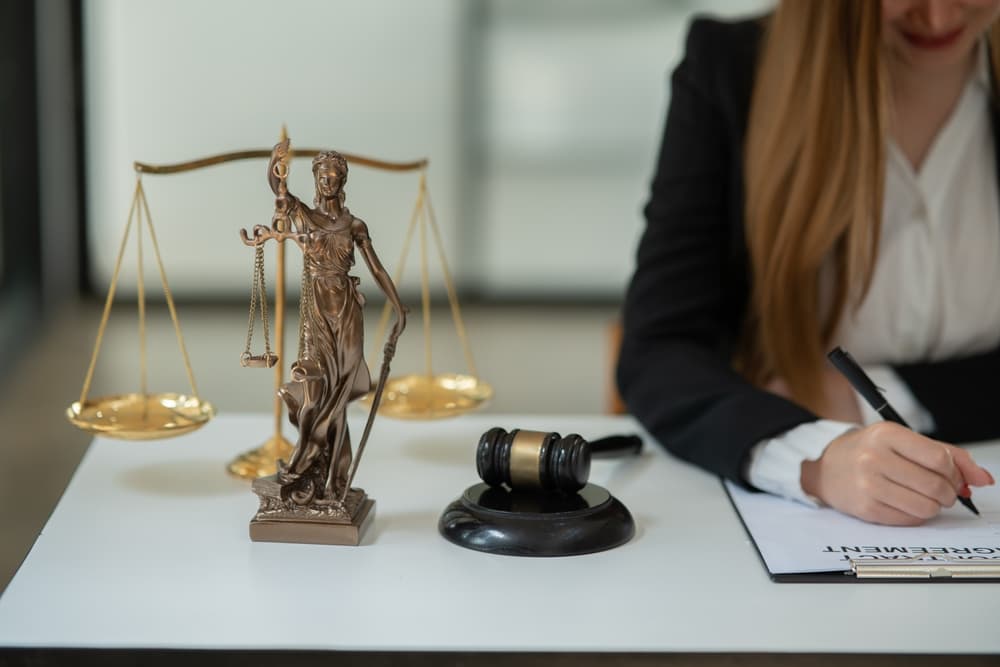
(280, 520)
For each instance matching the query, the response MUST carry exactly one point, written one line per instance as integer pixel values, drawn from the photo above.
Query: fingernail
(992, 481)
(965, 491)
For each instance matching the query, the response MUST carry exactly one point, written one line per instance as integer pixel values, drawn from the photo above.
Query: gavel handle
(614, 446)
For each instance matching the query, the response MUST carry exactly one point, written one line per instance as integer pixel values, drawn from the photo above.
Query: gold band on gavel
(525, 458)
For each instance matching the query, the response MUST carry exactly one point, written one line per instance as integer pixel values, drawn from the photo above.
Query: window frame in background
(42, 232)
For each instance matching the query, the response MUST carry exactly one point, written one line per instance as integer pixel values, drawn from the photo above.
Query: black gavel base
(497, 520)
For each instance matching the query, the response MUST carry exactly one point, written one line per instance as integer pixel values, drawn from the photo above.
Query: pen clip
(856, 376)
(852, 371)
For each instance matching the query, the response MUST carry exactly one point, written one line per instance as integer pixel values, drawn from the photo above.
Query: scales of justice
(304, 489)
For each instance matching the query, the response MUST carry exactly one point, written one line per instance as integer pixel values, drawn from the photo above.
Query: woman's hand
(886, 473)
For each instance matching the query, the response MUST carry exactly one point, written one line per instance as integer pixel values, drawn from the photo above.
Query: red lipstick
(933, 42)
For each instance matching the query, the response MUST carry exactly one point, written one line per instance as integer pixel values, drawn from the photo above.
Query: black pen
(849, 368)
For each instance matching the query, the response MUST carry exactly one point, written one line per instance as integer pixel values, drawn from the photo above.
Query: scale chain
(258, 293)
(253, 308)
(262, 292)
(305, 305)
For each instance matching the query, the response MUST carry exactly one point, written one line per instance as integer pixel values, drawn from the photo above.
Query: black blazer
(688, 297)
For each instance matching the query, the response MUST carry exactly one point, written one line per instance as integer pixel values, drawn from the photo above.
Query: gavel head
(533, 460)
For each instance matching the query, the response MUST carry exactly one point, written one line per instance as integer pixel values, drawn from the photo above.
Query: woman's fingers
(929, 454)
(929, 484)
(883, 487)
(879, 512)
(886, 473)
(917, 503)
(971, 472)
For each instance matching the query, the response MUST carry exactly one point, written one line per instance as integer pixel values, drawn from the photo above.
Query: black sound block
(497, 520)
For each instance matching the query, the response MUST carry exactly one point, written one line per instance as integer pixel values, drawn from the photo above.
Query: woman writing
(827, 177)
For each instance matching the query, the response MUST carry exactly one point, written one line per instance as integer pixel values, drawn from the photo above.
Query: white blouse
(934, 293)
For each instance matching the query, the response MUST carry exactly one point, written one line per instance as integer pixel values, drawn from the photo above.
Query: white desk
(149, 548)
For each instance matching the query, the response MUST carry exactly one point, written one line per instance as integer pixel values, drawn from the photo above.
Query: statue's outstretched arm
(359, 230)
(286, 223)
(263, 233)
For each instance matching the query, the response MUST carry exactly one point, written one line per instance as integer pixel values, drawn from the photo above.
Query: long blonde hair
(815, 171)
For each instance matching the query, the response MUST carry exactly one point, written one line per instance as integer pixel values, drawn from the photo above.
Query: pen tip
(968, 503)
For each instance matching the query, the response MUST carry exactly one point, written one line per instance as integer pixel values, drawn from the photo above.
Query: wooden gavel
(547, 461)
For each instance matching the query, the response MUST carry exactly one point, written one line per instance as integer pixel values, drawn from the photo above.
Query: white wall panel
(575, 97)
(171, 81)
(551, 166)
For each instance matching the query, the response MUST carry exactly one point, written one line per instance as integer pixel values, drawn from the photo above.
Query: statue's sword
(388, 353)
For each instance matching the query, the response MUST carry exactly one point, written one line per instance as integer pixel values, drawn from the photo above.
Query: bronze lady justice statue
(331, 370)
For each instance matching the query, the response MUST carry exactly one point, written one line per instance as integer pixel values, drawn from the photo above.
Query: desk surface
(149, 548)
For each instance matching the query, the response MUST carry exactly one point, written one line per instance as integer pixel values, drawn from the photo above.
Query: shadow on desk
(444, 451)
(221, 658)
(400, 522)
(192, 478)
(623, 471)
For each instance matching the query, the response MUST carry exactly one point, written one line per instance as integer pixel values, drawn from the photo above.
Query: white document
(793, 538)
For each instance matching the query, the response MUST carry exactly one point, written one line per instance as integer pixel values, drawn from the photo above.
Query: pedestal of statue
(279, 520)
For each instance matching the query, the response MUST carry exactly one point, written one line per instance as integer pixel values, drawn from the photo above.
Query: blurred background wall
(540, 120)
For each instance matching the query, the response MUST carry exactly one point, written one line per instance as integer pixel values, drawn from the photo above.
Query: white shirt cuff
(900, 397)
(775, 464)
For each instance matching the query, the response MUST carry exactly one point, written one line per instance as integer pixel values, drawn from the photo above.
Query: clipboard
(801, 544)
